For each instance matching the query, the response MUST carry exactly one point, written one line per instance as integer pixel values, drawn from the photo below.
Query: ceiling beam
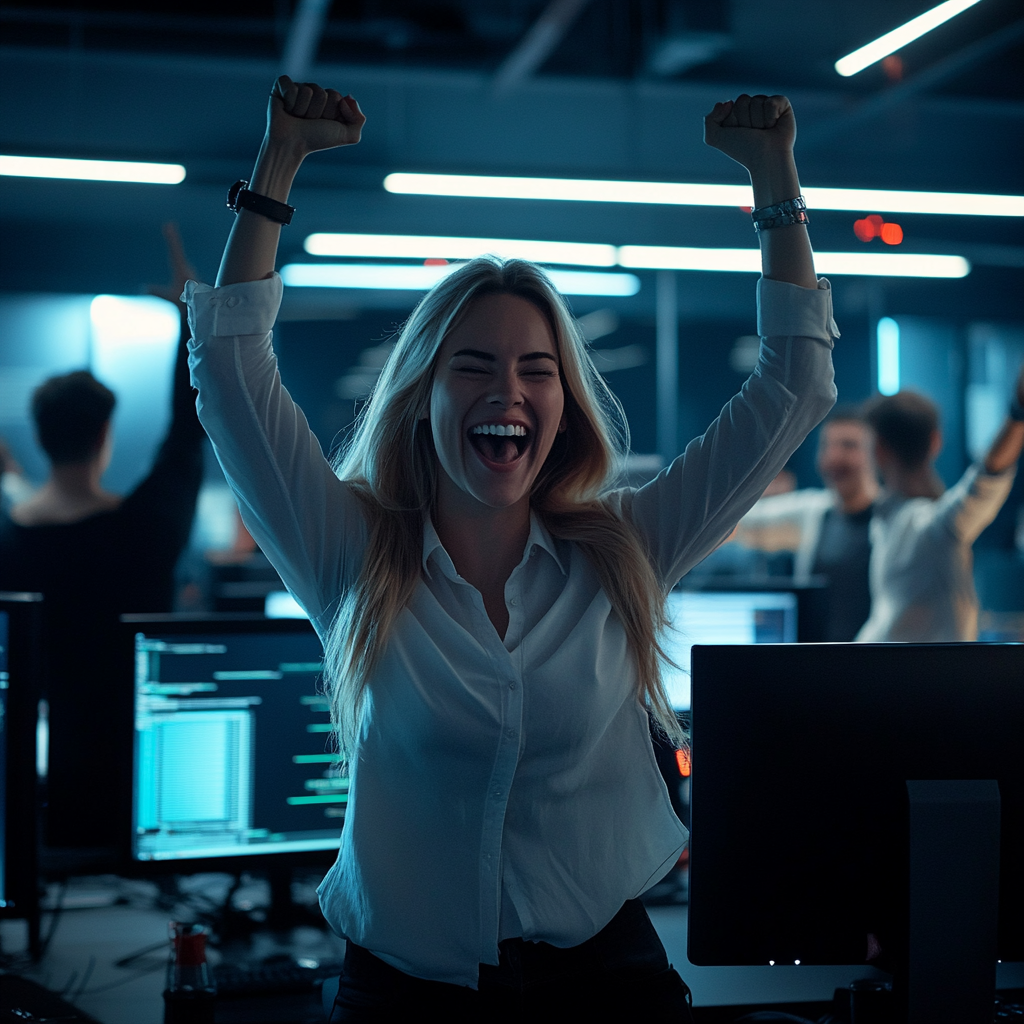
(538, 43)
(304, 34)
(947, 68)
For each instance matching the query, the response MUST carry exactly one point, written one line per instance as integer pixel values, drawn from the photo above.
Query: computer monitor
(706, 617)
(21, 687)
(802, 835)
(233, 749)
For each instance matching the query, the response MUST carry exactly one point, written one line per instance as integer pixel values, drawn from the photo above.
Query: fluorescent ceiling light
(575, 189)
(899, 37)
(867, 264)
(391, 277)
(669, 257)
(670, 193)
(895, 201)
(891, 264)
(888, 338)
(91, 170)
(589, 282)
(579, 254)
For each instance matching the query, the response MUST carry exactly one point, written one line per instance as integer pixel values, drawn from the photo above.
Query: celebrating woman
(489, 607)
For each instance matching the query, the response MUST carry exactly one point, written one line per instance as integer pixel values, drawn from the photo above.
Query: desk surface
(116, 918)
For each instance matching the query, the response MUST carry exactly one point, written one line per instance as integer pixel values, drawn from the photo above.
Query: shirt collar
(538, 537)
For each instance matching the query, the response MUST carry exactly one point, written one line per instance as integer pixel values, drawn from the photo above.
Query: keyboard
(278, 978)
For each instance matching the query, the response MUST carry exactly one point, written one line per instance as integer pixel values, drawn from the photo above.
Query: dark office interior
(504, 126)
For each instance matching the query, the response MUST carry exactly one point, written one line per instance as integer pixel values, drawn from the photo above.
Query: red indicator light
(892, 234)
(683, 761)
(435, 263)
(864, 230)
(893, 68)
(873, 226)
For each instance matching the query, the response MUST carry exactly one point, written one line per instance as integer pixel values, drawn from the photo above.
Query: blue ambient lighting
(888, 356)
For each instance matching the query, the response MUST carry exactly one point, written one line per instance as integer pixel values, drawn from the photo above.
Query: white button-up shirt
(499, 785)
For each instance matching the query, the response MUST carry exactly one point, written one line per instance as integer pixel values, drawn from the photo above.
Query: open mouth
(499, 443)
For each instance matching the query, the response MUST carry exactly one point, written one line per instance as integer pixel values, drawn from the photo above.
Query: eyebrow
(491, 358)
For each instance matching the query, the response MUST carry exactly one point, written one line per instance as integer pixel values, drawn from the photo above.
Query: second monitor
(233, 746)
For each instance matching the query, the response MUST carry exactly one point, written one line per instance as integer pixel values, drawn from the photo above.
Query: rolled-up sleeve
(307, 522)
(969, 506)
(689, 508)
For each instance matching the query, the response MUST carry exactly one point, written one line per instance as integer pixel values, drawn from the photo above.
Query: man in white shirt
(827, 528)
(922, 586)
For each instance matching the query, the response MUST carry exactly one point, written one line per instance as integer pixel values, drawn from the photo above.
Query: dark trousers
(622, 973)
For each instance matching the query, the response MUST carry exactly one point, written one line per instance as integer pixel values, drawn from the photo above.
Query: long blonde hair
(391, 463)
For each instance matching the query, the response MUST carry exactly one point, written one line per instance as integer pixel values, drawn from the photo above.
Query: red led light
(873, 226)
(893, 68)
(435, 263)
(892, 234)
(683, 761)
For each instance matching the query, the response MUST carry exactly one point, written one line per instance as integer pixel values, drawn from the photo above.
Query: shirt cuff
(786, 310)
(246, 308)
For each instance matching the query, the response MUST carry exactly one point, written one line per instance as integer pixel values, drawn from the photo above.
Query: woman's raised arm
(301, 118)
(758, 132)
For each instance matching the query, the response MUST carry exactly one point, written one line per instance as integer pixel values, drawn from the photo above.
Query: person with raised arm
(94, 555)
(922, 579)
(489, 608)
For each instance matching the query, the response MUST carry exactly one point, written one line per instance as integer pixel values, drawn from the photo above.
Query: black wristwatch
(240, 198)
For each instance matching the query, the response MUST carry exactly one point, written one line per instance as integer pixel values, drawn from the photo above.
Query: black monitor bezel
(26, 669)
(745, 699)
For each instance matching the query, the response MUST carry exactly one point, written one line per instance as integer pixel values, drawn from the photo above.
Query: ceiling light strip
(394, 277)
(91, 170)
(580, 254)
(892, 41)
(688, 194)
(858, 264)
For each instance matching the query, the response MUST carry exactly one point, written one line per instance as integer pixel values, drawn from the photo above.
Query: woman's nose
(506, 391)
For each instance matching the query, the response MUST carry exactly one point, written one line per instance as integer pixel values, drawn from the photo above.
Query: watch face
(233, 193)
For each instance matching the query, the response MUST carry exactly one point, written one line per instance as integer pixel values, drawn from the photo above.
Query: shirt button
(511, 734)
(232, 301)
(512, 685)
(514, 601)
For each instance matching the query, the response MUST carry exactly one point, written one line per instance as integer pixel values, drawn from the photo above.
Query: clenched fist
(752, 129)
(306, 118)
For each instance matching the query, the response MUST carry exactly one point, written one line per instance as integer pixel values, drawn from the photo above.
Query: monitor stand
(954, 902)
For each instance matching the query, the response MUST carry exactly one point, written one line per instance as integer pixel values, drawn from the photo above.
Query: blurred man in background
(827, 529)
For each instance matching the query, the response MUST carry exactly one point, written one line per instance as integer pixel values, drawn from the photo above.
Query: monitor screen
(801, 757)
(233, 746)
(699, 617)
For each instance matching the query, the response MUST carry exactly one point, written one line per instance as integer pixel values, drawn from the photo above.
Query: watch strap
(240, 198)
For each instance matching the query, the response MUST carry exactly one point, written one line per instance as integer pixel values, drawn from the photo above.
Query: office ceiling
(573, 88)
(788, 44)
